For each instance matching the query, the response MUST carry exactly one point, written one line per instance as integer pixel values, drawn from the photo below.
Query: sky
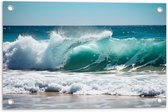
(73, 13)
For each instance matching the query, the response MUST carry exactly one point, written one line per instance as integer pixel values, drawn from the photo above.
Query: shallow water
(100, 90)
(113, 83)
(24, 101)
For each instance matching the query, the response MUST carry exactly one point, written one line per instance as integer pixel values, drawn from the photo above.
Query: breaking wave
(89, 52)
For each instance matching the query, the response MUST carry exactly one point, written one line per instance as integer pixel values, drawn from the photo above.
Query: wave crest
(90, 52)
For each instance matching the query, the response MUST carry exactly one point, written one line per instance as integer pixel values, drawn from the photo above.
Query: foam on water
(16, 81)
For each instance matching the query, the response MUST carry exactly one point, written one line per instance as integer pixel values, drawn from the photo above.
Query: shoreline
(52, 100)
(59, 90)
(64, 94)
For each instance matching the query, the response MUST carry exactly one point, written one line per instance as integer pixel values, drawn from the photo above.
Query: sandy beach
(53, 100)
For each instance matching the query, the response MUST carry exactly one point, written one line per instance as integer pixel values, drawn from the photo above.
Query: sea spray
(90, 52)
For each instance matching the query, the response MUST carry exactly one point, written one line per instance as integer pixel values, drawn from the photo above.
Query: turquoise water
(84, 48)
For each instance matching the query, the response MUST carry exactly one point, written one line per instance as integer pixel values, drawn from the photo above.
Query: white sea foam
(100, 35)
(28, 53)
(84, 83)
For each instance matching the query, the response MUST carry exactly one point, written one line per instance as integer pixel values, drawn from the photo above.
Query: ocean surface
(85, 60)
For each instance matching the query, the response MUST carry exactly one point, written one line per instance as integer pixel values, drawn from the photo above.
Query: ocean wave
(83, 83)
(89, 52)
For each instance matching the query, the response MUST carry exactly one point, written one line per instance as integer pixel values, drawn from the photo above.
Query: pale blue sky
(71, 13)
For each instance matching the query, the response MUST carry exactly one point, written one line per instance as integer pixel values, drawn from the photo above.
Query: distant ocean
(113, 60)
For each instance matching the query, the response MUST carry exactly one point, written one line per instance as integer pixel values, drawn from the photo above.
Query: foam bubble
(84, 83)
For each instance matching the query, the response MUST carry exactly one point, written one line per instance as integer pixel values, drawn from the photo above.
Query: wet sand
(52, 100)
